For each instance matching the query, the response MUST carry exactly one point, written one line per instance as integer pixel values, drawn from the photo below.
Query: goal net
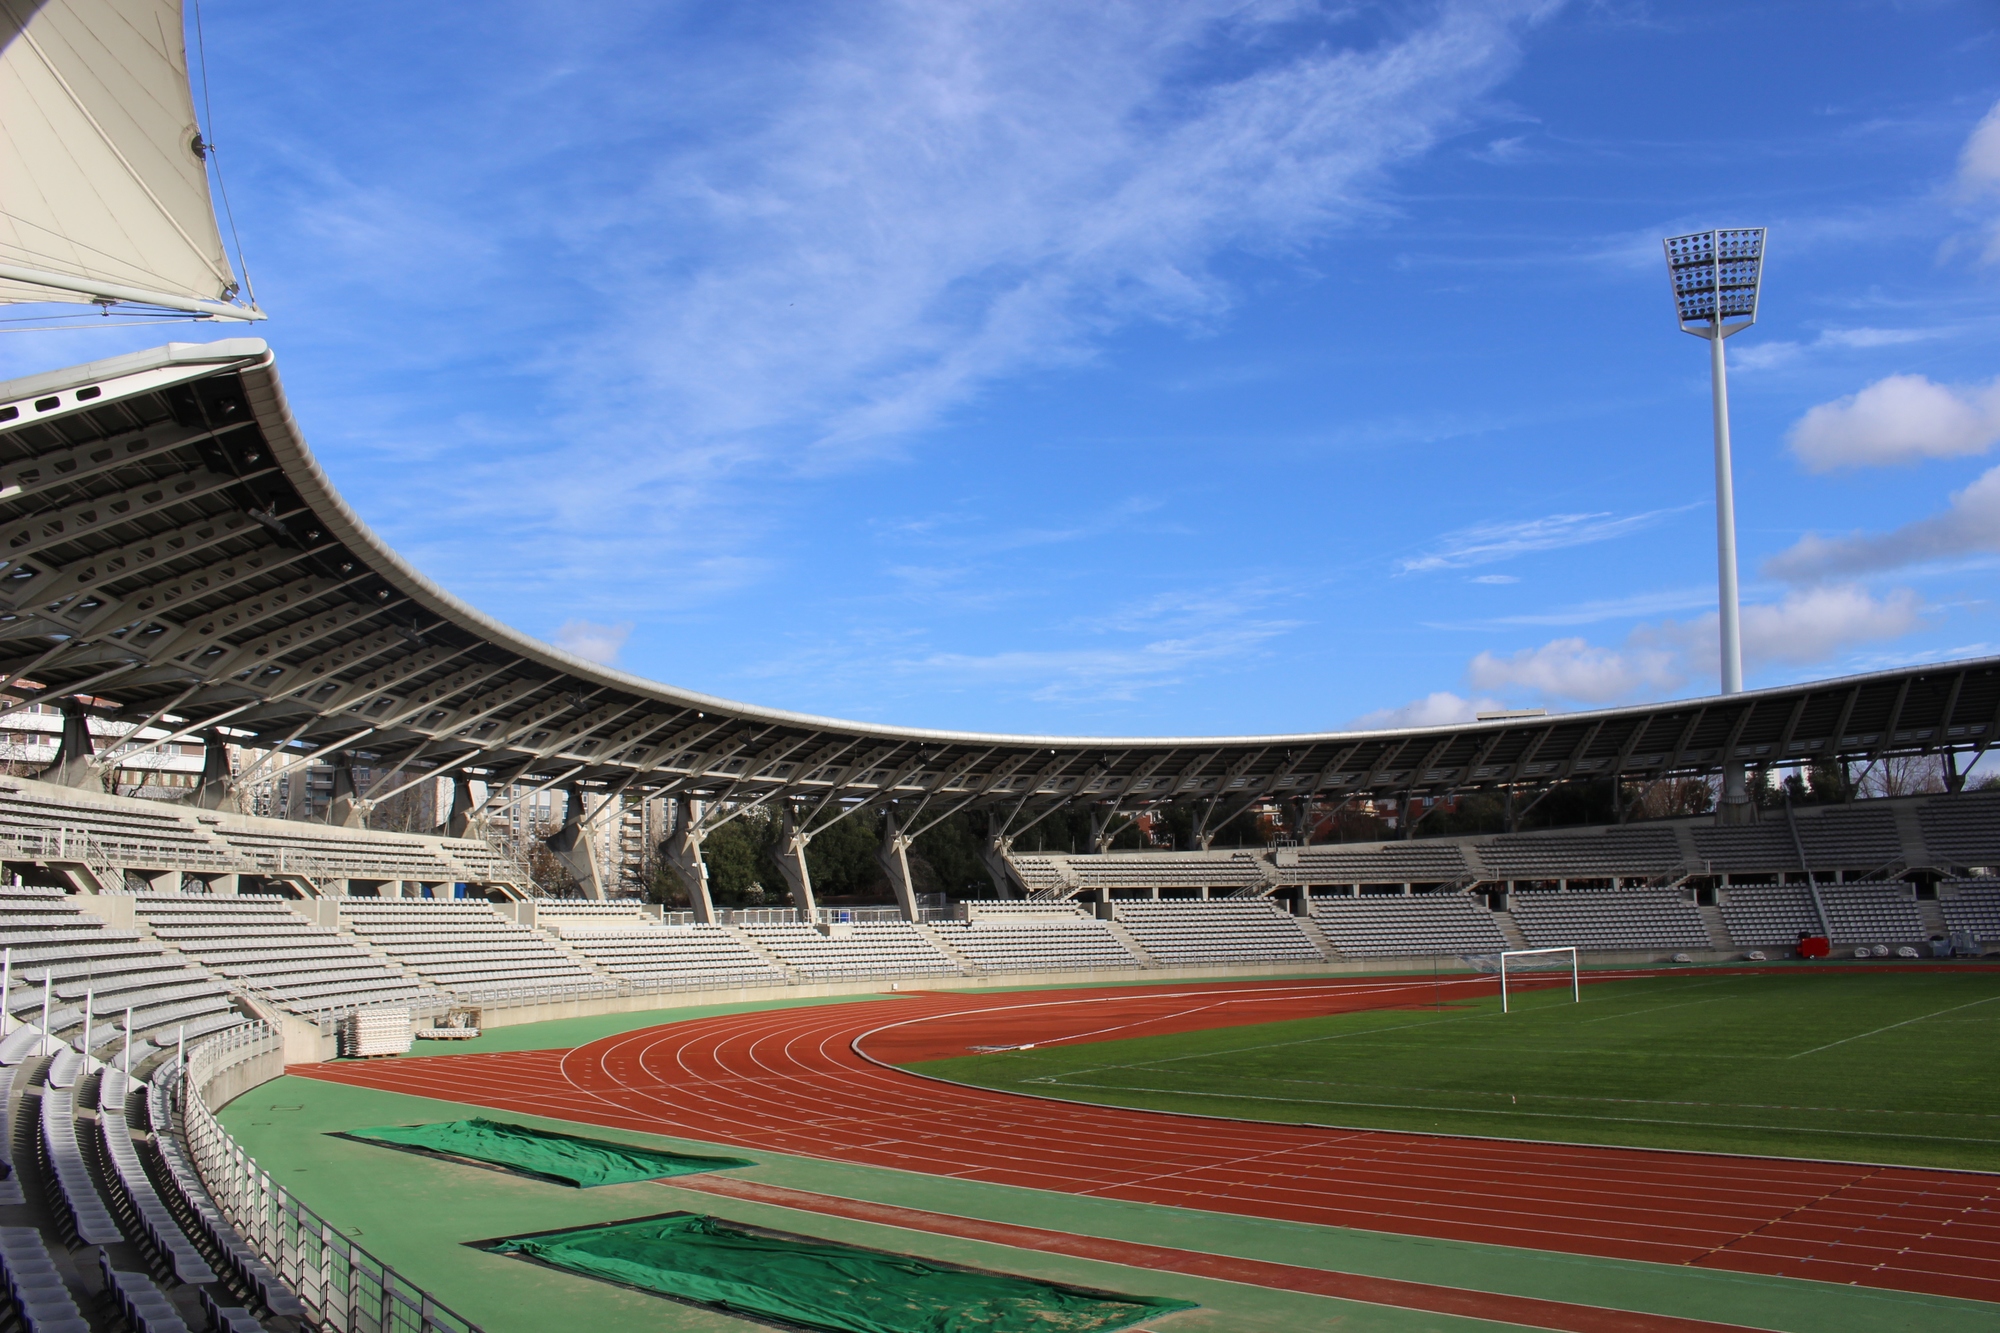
(1517, 962)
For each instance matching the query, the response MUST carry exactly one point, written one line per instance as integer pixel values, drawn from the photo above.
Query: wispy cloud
(785, 255)
(1804, 628)
(593, 642)
(1489, 543)
(1782, 352)
(1113, 655)
(1969, 525)
(1656, 603)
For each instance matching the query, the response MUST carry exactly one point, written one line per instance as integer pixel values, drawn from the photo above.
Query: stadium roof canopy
(168, 544)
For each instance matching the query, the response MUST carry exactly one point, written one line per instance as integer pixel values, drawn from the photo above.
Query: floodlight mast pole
(1725, 523)
(1717, 277)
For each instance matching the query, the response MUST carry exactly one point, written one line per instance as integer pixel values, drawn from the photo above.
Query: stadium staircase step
(1505, 921)
(1931, 913)
(1910, 832)
(743, 937)
(1318, 937)
(580, 958)
(1718, 930)
(1126, 938)
(943, 946)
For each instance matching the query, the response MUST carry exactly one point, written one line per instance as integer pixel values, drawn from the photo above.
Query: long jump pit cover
(800, 1282)
(538, 1152)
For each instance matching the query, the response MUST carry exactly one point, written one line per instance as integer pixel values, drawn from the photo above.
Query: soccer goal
(1541, 960)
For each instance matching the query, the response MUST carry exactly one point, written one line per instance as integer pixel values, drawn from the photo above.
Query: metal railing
(343, 1287)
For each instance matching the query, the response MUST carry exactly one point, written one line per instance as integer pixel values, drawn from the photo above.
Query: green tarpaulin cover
(580, 1162)
(821, 1284)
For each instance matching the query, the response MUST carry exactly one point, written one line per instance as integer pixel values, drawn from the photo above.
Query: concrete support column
(791, 858)
(573, 845)
(683, 853)
(994, 854)
(458, 824)
(894, 858)
(346, 809)
(214, 789)
(72, 767)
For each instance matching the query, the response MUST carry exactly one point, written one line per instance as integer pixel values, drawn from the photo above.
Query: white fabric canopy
(103, 190)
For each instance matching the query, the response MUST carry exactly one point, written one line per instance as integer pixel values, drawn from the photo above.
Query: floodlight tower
(1716, 276)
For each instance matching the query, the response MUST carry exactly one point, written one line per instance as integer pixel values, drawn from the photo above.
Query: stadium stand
(1609, 919)
(1838, 838)
(261, 944)
(1041, 874)
(1972, 906)
(53, 825)
(1613, 854)
(1389, 863)
(1963, 830)
(1867, 913)
(1053, 944)
(867, 949)
(466, 947)
(1231, 931)
(50, 935)
(116, 840)
(1759, 916)
(1169, 873)
(1393, 925)
(677, 956)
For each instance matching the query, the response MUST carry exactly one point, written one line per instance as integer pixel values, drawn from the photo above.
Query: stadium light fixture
(1716, 277)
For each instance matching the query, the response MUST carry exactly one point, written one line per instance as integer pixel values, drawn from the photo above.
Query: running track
(796, 1081)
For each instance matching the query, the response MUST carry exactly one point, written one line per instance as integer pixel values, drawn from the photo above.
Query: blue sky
(1162, 368)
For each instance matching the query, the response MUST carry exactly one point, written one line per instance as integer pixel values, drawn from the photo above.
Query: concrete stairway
(1718, 929)
(1124, 937)
(1515, 939)
(1318, 937)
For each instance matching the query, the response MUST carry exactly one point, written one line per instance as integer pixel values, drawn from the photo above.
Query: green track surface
(1850, 1063)
(418, 1213)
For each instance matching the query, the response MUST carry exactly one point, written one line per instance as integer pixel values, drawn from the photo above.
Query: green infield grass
(1857, 1063)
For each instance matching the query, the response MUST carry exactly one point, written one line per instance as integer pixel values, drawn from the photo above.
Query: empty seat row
(1196, 934)
(1396, 925)
(1609, 919)
(1971, 905)
(1615, 853)
(37, 1289)
(1060, 944)
(868, 949)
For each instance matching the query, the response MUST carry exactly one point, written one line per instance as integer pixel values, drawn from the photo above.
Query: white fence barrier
(344, 1288)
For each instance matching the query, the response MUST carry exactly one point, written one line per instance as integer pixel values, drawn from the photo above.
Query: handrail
(343, 1287)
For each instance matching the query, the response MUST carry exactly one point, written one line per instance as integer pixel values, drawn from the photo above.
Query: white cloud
(1441, 709)
(1814, 624)
(1805, 628)
(1979, 174)
(1979, 160)
(1969, 526)
(593, 642)
(1493, 578)
(1488, 543)
(1901, 419)
(1574, 669)
(1779, 352)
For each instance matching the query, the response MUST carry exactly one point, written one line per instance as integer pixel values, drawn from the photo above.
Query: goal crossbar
(1553, 956)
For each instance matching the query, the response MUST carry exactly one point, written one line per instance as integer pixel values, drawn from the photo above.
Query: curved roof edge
(282, 428)
(173, 543)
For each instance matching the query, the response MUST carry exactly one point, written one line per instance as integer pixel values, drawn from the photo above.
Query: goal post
(1541, 960)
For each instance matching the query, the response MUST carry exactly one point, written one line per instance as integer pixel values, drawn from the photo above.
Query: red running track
(795, 1081)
